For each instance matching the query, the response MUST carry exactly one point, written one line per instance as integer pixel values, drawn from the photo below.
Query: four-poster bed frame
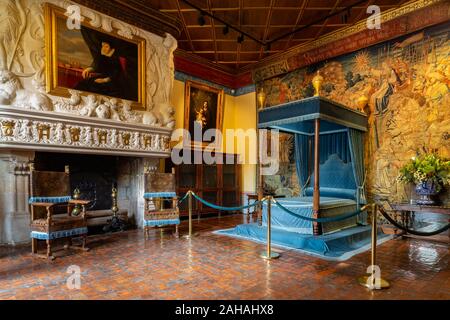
(313, 117)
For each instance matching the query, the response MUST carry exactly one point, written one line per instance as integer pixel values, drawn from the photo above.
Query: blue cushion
(58, 234)
(60, 199)
(333, 192)
(160, 195)
(160, 223)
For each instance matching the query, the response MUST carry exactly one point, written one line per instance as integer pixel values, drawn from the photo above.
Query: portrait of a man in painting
(203, 108)
(112, 70)
(93, 61)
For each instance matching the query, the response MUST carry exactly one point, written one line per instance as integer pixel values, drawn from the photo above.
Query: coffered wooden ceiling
(264, 20)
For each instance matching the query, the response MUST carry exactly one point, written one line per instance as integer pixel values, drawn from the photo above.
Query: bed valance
(298, 117)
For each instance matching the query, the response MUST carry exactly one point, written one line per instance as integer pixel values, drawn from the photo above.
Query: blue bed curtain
(356, 144)
(335, 143)
(301, 159)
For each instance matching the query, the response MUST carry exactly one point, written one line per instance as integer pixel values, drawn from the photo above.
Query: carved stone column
(14, 193)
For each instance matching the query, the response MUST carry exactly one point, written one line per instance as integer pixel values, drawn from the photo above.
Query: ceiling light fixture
(225, 30)
(201, 19)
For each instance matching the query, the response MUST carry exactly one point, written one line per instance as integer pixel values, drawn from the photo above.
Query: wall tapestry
(406, 81)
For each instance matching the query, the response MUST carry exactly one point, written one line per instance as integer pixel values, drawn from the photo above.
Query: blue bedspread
(303, 206)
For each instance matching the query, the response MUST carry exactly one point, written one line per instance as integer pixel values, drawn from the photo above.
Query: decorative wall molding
(51, 131)
(181, 76)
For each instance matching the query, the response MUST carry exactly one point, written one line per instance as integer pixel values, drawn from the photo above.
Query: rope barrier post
(374, 281)
(268, 254)
(190, 235)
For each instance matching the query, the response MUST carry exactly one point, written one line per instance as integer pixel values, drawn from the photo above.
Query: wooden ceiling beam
(186, 31)
(136, 14)
(327, 19)
(238, 51)
(266, 30)
(297, 22)
(216, 57)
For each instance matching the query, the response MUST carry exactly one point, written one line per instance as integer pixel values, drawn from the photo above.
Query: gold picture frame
(128, 80)
(202, 102)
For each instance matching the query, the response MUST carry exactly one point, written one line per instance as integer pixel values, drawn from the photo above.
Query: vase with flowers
(430, 173)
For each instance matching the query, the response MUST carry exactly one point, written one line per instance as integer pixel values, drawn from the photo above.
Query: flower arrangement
(427, 168)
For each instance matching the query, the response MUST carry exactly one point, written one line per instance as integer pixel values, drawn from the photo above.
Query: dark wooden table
(414, 209)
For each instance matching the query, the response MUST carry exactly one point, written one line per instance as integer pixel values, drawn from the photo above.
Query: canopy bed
(329, 154)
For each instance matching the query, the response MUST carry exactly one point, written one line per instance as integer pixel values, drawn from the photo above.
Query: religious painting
(93, 61)
(202, 111)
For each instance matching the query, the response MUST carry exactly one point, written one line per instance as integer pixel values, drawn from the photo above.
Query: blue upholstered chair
(159, 188)
(49, 192)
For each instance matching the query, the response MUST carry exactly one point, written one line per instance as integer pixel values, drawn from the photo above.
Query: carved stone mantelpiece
(51, 131)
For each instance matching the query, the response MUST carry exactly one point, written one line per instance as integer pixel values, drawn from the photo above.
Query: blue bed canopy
(329, 146)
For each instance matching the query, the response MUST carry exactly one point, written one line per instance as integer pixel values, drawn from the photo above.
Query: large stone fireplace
(105, 140)
(94, 175)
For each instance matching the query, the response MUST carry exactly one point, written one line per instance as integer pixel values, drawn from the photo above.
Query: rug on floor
(337, 246)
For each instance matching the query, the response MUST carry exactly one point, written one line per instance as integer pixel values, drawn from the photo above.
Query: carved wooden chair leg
(69, 243)
(177, 235)
(34, 246)
(83, 246)
(49, 250)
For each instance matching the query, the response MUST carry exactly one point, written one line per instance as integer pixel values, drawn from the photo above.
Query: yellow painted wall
(238, 112)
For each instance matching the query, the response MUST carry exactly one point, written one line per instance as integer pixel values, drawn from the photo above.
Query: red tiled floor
(125, 266)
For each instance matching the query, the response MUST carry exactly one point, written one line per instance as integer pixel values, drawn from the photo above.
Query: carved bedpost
(316, 194)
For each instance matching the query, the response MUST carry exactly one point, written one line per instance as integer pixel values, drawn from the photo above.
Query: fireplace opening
(93, 175)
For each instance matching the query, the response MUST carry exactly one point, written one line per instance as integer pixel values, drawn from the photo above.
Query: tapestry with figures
(406, 82)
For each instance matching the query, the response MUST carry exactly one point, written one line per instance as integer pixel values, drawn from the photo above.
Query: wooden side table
(414, 209)
(250, 197)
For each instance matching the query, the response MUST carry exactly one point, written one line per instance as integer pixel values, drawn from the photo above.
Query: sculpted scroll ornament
(22, 34)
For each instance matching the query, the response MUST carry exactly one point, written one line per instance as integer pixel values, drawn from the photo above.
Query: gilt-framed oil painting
(203, 106)
(93, 61)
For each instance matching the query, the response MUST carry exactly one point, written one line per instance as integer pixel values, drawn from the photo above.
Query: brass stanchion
(268, 254)
(190, 235)
(374, 281)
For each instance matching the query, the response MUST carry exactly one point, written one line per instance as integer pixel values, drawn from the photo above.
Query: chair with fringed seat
(158, 188)
(50, 194)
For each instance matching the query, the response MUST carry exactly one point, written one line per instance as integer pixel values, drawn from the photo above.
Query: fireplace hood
(24, 129)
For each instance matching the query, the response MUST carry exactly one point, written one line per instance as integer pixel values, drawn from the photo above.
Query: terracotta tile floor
(125, 266)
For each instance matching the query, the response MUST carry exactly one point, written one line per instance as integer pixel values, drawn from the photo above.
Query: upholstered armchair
(50, 194)
(159, 188)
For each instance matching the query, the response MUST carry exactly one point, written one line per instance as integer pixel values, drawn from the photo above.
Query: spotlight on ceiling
(240, 39)
(201, 19)
(225, 30)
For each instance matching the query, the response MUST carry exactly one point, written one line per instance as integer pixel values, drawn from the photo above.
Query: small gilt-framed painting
(92, 60)
(203, 109)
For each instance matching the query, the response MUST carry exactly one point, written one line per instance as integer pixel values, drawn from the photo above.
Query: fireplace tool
(116, 223)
